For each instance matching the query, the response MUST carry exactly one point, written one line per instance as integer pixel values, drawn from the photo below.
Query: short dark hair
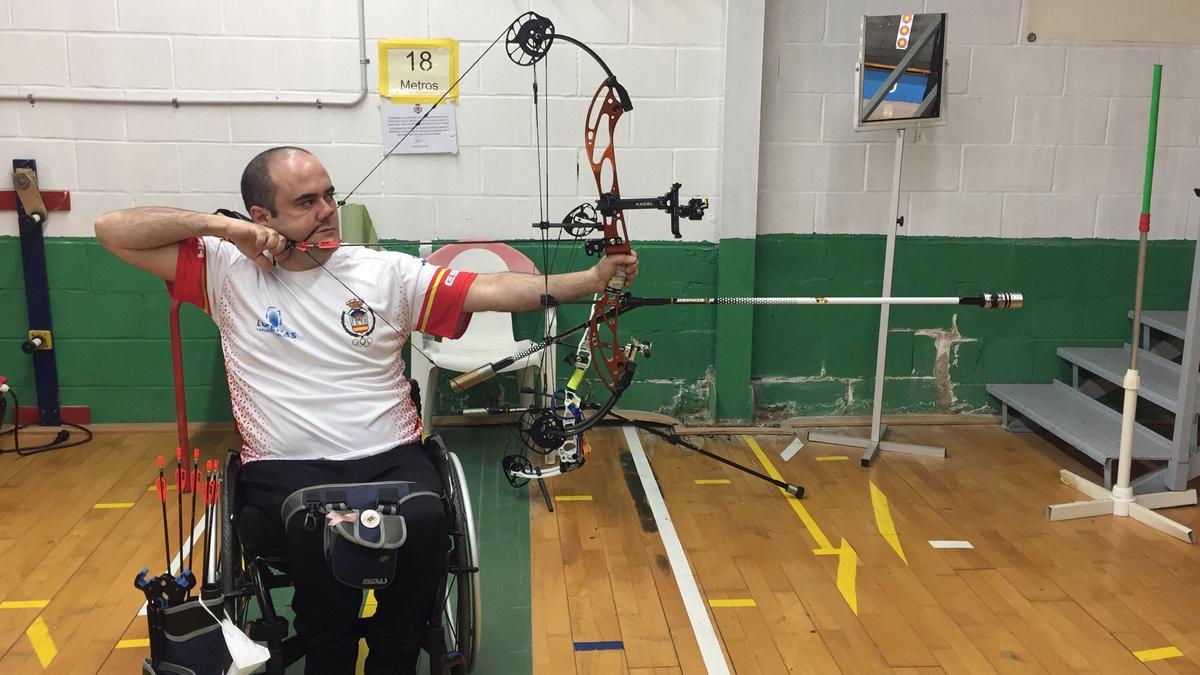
(257, 187)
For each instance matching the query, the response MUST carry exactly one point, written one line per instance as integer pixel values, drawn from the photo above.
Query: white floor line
(706, 637)
(790, 451)
(950, 543)
(177, 561)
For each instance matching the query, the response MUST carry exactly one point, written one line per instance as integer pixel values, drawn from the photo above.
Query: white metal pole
(884, 309)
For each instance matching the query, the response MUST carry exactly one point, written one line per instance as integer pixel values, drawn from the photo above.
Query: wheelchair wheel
(231, 570)
(463, 605)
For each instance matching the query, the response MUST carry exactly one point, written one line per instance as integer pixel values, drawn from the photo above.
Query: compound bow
(557, 424)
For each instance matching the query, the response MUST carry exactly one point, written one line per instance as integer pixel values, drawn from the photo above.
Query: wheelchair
(453, 636)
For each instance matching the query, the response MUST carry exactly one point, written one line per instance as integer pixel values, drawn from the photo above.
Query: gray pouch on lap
(362, 523)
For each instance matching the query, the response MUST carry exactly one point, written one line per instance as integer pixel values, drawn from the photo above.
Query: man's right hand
(255, 240)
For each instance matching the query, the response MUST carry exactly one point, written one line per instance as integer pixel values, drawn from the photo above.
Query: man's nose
(328, 208)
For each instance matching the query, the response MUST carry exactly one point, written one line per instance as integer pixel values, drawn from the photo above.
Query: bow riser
(603, 339)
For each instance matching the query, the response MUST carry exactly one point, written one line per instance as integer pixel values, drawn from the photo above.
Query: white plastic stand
(1121, 501)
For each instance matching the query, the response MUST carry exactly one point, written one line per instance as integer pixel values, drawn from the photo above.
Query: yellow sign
(419, 70)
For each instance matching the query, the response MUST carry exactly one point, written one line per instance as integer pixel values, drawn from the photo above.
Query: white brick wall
(287, 18)
(225, 63)
(812, 167)
(1117, 217)
(782, 212)
(50, 66)
(126, 167)
(701, 73)
(678, 22)
(196, 162)
(1048, 215)
(1017, 70)
(955, 214)
(605, 22)
(668, 54)
(1104, 71)
(10, 121)
(796, 21)
(1055, 120)
(926, 168)
(1007, 168)
(199, 17)
(791, 117)
(118, 61)
(852, 212)
(64, 15)
(144, 123)
(1043, 140)
(80, 121)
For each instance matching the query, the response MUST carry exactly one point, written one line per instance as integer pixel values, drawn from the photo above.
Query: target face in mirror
(900, 71)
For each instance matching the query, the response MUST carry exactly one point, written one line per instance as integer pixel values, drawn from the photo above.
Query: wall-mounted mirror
(901, 60)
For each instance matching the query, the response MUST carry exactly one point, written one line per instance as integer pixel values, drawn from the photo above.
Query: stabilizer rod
(675, 439)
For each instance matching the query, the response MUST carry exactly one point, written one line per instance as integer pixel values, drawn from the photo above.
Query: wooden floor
(846, 579)
(843, 581)
(77, 524)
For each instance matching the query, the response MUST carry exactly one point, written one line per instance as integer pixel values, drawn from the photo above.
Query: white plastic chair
(489, 336)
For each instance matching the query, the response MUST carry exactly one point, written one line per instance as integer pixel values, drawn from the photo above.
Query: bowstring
(543, 213)
(396, 331)
(546, 388)
(343, 200)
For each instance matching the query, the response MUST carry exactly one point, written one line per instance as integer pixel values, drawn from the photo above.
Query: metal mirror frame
(859, 74)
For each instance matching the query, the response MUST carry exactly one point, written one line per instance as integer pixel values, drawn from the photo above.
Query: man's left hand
(607, 267)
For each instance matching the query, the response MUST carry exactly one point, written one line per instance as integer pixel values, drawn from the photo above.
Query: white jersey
(316, 372)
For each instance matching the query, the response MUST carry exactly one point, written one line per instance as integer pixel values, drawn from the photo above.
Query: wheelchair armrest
(233, 466)
(439, 455)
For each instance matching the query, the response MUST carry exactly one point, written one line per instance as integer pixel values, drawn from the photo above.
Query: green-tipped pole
(1122, 492)
(1120, 501)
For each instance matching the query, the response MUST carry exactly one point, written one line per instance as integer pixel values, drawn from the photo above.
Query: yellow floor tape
(847, 557)
(733, 602)
(1158, 654)
(883, 520)
(43, 645)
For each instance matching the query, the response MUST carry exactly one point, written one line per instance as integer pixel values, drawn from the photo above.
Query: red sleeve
(190, 281)
(441, 311)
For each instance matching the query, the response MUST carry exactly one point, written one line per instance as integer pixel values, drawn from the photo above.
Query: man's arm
(146, 237)
(516, 292)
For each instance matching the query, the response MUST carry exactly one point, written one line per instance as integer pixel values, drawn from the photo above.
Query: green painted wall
(113, 351)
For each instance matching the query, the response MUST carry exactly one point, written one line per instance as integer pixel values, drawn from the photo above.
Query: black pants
(327, 610)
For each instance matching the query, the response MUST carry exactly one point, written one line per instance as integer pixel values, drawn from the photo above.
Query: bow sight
(586, 218)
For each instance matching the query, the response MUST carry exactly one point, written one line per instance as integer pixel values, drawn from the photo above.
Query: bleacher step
(1170, 322)
(1086, 424)
(1159, 377)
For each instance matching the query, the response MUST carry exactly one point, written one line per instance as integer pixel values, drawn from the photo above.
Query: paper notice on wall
(438, 133)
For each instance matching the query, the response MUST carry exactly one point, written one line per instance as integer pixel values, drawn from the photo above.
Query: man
(316, 376)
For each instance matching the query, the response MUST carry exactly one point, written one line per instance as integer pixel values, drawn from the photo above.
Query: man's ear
(260, 215)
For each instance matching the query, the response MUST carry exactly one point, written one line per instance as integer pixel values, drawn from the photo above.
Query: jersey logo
(359, 322)
(274, 324)
(450, 278)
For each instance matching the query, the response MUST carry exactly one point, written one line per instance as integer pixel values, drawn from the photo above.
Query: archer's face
(304, 201)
